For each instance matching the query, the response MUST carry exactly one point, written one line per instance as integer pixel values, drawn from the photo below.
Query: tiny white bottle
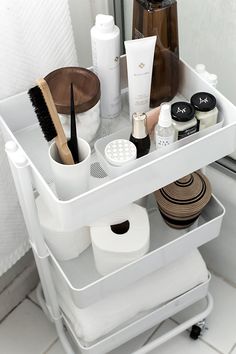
(164, 131)
(105, 38)
(212, 79)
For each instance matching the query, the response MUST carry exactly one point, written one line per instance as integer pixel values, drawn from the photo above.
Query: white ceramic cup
(71, 180)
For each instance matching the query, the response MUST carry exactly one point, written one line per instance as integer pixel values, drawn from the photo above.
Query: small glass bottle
(164, 131)
(139, 136)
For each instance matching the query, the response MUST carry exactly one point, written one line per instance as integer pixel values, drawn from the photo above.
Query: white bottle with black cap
(164, 132)
(105, 38)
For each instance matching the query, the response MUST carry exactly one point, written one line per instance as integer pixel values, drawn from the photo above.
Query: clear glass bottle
(164, 131)
(159, 18)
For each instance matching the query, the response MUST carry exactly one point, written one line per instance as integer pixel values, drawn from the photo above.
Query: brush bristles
(42, 113)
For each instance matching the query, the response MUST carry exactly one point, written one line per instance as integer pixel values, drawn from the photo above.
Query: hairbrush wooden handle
(61, 140)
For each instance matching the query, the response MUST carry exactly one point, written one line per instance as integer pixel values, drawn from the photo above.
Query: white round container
(87, 95)
(65, 245)
(105, 37)
(87, 123)
(120, 152)
(71, 180)
(183, 119)
(206, 111)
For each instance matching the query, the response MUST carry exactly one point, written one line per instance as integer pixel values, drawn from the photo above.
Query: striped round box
(181, 202)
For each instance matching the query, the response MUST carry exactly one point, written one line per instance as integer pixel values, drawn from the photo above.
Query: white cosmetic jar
(86, 97)
(206, 111)
(183, 119)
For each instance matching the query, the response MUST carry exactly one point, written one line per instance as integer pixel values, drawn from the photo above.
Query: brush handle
(61, 140)
(73, 143)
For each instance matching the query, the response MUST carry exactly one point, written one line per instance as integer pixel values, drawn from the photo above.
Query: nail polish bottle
(139, 136)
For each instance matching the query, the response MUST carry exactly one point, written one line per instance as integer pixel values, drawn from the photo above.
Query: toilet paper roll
(64, 245)
(120, 238)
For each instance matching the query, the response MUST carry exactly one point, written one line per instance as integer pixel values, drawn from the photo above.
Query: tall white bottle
(105, 37)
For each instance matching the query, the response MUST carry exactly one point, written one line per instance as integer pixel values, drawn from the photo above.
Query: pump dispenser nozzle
(165, 119)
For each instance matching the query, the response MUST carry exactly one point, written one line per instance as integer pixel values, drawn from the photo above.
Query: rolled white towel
(152, 291)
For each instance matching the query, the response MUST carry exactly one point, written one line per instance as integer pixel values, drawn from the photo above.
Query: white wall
(220, 254)
(83, 14)
(208, 35)
(207, 32)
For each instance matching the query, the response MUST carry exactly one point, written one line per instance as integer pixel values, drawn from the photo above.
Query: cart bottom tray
(142, 324)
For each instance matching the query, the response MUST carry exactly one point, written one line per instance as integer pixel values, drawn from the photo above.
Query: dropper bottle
(164, 131)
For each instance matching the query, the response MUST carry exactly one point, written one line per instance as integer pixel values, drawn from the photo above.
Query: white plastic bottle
(105, 37)
(164, 131)
(212, 79)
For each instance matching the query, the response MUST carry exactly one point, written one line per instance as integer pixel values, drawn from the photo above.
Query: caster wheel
(195, 332)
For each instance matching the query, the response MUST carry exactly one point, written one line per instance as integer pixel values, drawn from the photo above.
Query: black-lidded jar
(206, 111)
(139, 136)
(184, 121)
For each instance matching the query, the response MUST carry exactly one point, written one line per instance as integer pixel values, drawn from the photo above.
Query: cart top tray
(151, 172)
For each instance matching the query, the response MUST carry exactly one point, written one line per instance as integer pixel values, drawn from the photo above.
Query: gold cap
(139, 125)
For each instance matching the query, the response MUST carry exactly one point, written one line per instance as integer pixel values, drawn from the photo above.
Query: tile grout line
(201, 339)
(35, 303)
(232, 349)
(50, 346)
(211, 346)
(12, 310)
(152, 334)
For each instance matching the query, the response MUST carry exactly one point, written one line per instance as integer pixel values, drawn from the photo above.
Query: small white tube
(140, 55)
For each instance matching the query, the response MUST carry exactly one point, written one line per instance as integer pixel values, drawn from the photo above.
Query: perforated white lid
(119, 152)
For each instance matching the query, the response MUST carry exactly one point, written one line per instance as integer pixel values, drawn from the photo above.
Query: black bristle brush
(49, 121)
(73, 142)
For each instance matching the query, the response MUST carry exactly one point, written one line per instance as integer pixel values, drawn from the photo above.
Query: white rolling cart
(27, 154)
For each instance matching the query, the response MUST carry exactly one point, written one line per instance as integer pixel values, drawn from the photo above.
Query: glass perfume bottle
(164, 131)
(160, 18)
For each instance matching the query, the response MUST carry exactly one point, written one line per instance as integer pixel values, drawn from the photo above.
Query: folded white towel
(159, 287)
